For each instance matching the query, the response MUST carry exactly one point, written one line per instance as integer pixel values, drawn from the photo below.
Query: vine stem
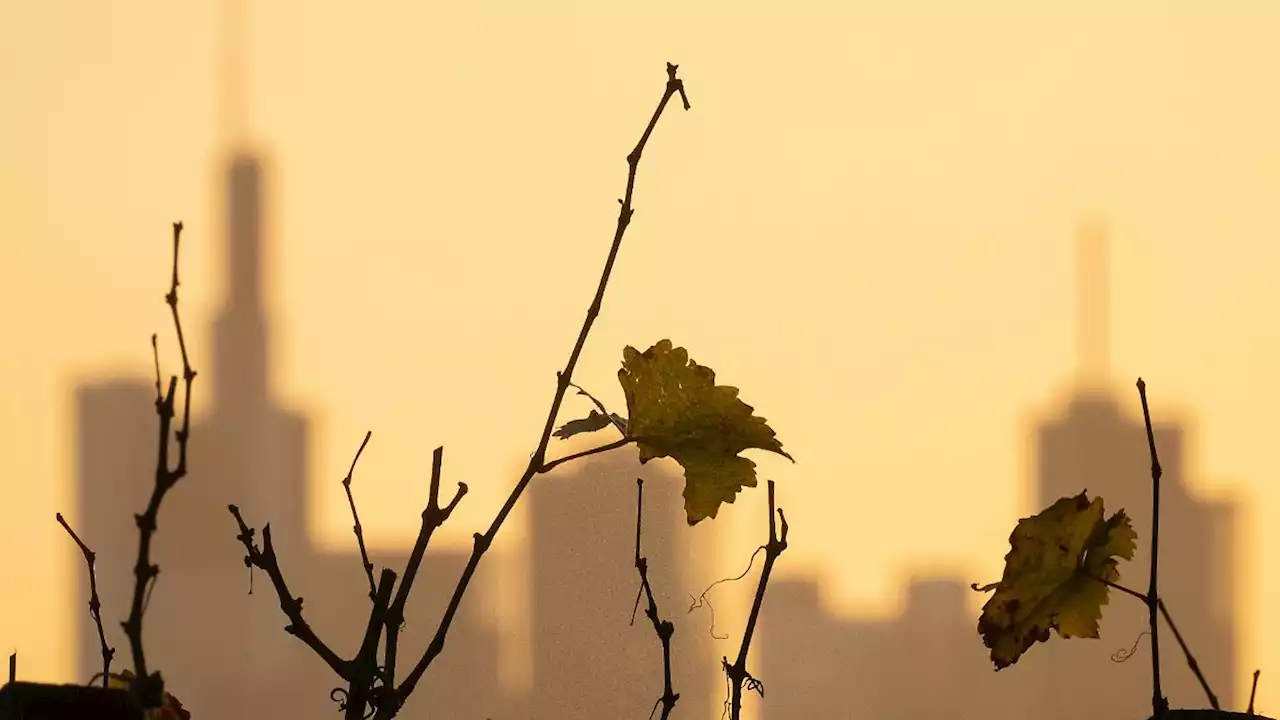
(368, 683)
(1186, 651)
(482, 541)
(1253, 692)
(1159, 704)
(737, 672)
(149, 687)
(95, 605)
(663, 628)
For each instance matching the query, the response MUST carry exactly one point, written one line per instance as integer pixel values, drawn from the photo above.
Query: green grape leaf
(678, 411)
(1049, 576)
(595, 421)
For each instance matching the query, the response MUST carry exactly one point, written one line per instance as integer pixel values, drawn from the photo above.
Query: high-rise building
(224, 652)
(589, 660)
(925, 663)
(930, 663)
(1100, 444)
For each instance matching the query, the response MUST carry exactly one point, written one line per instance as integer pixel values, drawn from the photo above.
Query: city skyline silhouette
(587, 657)
(252, 451)
(929, 661)
(225, 653)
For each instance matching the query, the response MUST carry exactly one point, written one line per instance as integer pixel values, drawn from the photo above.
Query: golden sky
(866, 222)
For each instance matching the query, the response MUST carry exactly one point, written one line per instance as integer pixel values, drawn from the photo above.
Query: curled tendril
(114, 676)
(703, 600)
(342, 696)
(754, 684)
(751, 684)
(1121, 655)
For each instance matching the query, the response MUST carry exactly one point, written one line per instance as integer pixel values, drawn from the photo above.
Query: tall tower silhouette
(240, 331)
(1099, 443)
(1093, 305)
(589, 660)
(214, 644)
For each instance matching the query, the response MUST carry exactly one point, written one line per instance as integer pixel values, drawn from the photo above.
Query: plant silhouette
(675, 410)
(1060, 566)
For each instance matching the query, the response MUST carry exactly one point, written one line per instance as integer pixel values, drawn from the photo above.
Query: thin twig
(389, 702)
(95, 605)
(549, 466)
(364, 669)
(149, 687)
(1252, 693)
(265, 560)
(664, 628)
(537, 461)
(1159, 705)
(1191, 660)
(13, 668)
(737, 672)
(346, 485)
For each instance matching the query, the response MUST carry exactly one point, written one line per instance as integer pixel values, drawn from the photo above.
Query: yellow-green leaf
(676, 410)
(1051, 576)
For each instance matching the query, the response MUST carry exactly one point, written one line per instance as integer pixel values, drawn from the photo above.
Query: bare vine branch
(149, 687)
(482, 541)
(389, 701)
(265, 560)
(369, 684)
(95, 605)
(737, 672)
(346, 485)
(1159, 704)
(1252, 692)
(664, 628)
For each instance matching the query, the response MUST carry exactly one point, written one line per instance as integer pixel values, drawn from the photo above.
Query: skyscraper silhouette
(589, 661)
(926, 663)
(462, 682)
(198, 625)
(223, 652)
(1100, 443)
(930, 662)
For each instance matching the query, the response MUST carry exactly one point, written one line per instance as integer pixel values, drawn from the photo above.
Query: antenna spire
(232, 77)
(1093, 302)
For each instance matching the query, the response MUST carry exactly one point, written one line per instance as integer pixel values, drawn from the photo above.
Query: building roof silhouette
(930, 663)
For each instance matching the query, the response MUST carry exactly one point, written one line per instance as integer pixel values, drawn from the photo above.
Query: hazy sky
(866, 222)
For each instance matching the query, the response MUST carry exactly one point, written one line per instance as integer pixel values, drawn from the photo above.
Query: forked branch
(1186, 651)
(346, 485)
(737, 672)
(95, 605)
(537, 462)
(370, 685)
(434, 516)
(265, 560)
(149, 687)
(664, 628)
